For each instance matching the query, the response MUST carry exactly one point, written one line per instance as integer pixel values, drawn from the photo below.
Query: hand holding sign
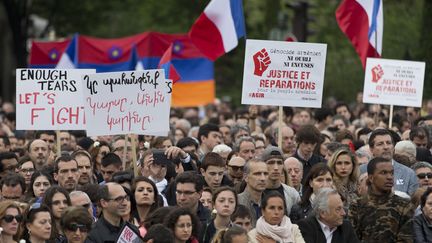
(261, 61)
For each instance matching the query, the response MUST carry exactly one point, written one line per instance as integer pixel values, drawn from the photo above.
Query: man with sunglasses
(423, 171)
(113, 201)
(235, 169)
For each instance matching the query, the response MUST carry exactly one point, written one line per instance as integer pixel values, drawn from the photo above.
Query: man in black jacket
(327, 224)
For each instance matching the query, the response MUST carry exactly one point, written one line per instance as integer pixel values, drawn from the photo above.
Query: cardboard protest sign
(283, 73)
(393, 82)
(128, 234)
(50, 99)
(127, 102)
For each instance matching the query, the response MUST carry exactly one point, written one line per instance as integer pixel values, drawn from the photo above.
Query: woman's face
(343, 166)
(144, 194)
(427, 209)
(102, 152)
(178, 134)
(76, 233)
(166, 144)
(323, 147)
(9, 223)
(206, 200)
(321, 181)
(40, 228)
(225, 203)
(274, 211)
(40, 185)
(59, 204)
(183, 228)
(27, 170)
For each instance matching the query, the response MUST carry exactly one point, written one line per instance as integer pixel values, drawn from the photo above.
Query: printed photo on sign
(393, 82)
(283, 73)
(50, 99)
(127, 102)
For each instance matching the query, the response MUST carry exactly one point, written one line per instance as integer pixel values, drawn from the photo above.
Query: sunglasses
(424, 175)
(9, 218)
(74, 226)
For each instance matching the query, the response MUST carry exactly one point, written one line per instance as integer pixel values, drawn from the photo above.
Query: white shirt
(328, 233)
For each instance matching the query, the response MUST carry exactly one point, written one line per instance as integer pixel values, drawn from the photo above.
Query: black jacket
(422, 229)
(312, 232)
(104, 232)
(307, 165)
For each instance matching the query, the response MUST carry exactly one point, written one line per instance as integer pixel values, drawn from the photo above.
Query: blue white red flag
(218, 28)
(362, 22)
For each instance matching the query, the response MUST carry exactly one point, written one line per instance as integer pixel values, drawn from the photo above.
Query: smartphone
(160, 158)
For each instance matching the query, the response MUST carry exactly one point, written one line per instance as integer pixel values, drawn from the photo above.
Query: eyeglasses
(234, 167)
(119, 199)
(87, 205)
(9, 218)
(424, 175)
(74, 226)
(186, 193)
(182, 226)
(29, 170)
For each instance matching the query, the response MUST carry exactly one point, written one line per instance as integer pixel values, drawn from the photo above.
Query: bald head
(294, 169)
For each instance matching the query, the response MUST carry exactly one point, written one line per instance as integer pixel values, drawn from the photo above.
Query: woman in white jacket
(273, 224)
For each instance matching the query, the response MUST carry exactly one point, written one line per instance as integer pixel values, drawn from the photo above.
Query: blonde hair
(355, 173)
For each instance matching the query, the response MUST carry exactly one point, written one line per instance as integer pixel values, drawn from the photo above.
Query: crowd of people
(334, 174)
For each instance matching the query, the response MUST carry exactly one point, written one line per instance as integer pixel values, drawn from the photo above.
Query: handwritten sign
(127, 102)
(393, 82)
(129, 235)
(283, 73)
(50, 99)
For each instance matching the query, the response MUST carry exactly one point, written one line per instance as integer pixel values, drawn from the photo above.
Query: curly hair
(172, 218)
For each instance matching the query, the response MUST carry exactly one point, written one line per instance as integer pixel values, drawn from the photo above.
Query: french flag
(166, 63)
(218, 28)
(362, 22)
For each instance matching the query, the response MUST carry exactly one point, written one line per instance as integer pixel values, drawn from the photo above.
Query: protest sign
(283, 73)
(127, 102)
(50, 99)
(393, 82)
(129, 235)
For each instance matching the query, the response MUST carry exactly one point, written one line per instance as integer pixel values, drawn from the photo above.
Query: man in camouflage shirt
(381, 216)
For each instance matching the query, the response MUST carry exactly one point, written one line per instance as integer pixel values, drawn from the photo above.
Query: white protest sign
(128, 235)
(127, 102)
(50, 99)
(393, 82)
(283, 73)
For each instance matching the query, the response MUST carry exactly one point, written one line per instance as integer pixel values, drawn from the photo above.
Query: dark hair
(424, 197)
(316, 170)
(50, 192)
(157, 216)
(12, 180)
(30, 193)
(122, 177)
(7, 155)
(371, 166)
(5, 140)
(138, 179)
(65, 158)
(172, 218)
(38, 134)
(94, 150)
(24, 159)
(187, 141)
(76, 214)
(227, 235)
(205, 129)
(341, 104)
(378, 132)
(212, 159)
(159, 234)
(30, 216)
(322, 114)
(223, 189)
(111, 159)
(241, 212)
(271, 194)
(190, 177)
(420, 132)
(343, 134)
(308, 134)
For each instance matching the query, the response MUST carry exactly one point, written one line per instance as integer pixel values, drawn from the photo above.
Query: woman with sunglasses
(76, 223)
(37, 224)
(57, 199)
(11, 218)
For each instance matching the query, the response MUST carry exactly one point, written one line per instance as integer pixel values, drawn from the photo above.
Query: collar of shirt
(328, 233)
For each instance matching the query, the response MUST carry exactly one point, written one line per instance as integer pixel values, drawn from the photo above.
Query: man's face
(191, 149)
(383, 147)
(119, 149)
(39, 153)
(235, 167)
(245, 223)
(295, 171)
(67, 175)
(84, 168)
(213, 139)
(304, 117)
(226, 134)
(343, 111)
(382, 179)
(13, 143)
(335, 214)
(213, 176)
(9, 166)
(186, 195)
(3, 146)
(306, 148)
(257, 177)
(241, 133)
(49, 139)
(82, 200)
(247, 150)
(108, 171)
(65, 138)
(420, 142)
(14, 193)
(424, 176)
(116, 204)
(288, 143)
(274, 168)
